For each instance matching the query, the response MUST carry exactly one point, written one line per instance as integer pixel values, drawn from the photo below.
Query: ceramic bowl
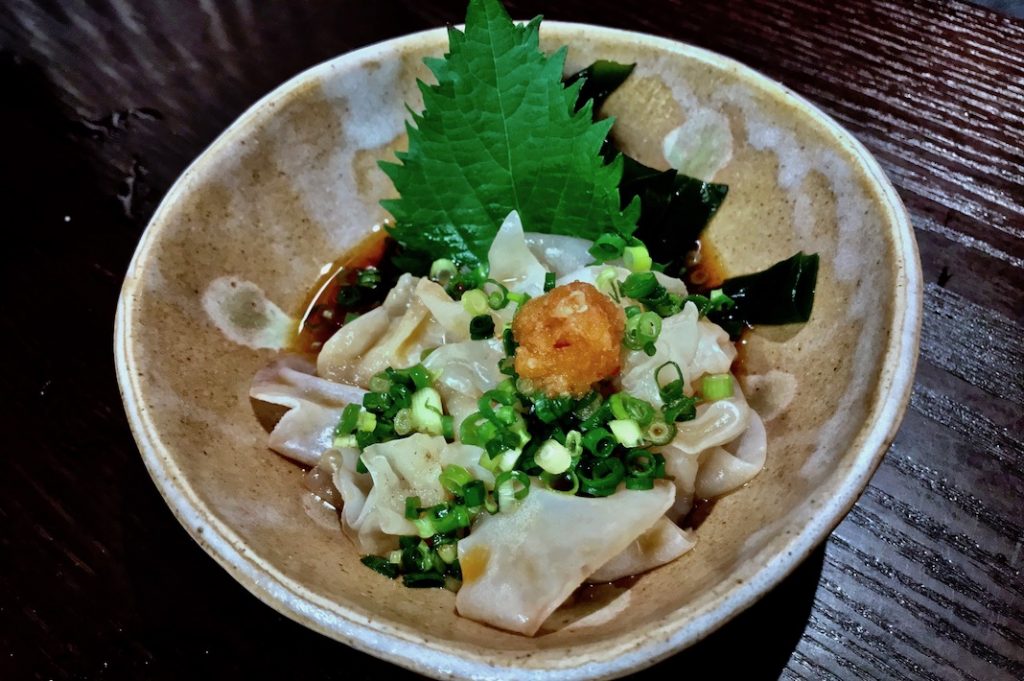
(232, 251)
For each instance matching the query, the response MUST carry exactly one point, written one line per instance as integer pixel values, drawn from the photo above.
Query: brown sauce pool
(322, 314)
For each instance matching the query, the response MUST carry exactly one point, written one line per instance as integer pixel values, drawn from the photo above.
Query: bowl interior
(236, 245)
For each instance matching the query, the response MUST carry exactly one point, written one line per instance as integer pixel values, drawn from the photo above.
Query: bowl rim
(666, 636)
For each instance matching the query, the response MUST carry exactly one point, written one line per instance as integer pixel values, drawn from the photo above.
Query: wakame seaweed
(600, 79)
(674, 208)
(781, 294)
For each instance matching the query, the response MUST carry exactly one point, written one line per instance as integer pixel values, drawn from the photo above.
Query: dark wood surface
(105, 102)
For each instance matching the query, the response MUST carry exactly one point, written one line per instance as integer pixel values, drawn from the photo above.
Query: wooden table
(106, 102)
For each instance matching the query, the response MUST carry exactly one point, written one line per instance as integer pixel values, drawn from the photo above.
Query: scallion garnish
(716, 387)
(442, 270)
(608, 246)
(625, 406)
(637, 259)
(660, 432)
(412, 508)
(600, 477)
(511, 485)
(481, 327)
(599, 442)
(474, 493)
(642, 331)
(368, 278)
(627, 432)
(349, 420)
(475, 303)
(549, 281)
(453, 478)
(553, 457)
(498, 298)
(426, 411)
(567, 482)
(381, 565)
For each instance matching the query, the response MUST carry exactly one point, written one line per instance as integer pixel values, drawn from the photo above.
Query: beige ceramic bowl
(239, 239)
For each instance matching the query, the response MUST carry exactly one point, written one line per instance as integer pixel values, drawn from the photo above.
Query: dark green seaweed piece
(602, 78)
(781, 294)
(674, 209)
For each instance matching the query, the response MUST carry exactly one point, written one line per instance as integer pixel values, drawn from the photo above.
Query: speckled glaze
(238, 240)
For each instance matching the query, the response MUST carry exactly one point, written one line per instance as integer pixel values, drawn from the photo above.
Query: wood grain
(107, 102)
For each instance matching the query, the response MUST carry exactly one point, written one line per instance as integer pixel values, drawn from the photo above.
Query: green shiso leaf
(500, 132)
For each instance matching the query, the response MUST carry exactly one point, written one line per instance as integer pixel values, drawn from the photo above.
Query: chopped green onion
(350, 316)
(412, 508)
(442, 270)
(377, 402)
(508, 341)
(640, 464)
(367, 422)
(368, 278)
(380, 383)
(477, 430)
(627, 432)
(637, 259)
(553, 457)
(567, 482)
(505, 486)
(550, 409)
(607, 247)
(423, 580)
(345, 441)
(474, 493)
(381, 565)
(453, 478)
(420, 376)
(642, 331)
(599, 442)
(361, 466)
(448, 553)
(601, 476)
(606, 282)
(403, 422)
(633, 482)
(549, 281)
(639, 285)
(660, 432)
(475, 302)
(481, 327)
(672, 389)
(426, 411)
(625, 406)
(587, 407)
(506, 461)
(395, 557)
(400, 394)
(716, 387)
(349, 420)
(448, 427)
(720, 301)
(497, 300)
(574, 443)
(518, 298)
(441, 519)
(680, 409)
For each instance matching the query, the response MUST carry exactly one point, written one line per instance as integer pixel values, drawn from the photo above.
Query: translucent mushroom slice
(519, 566)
